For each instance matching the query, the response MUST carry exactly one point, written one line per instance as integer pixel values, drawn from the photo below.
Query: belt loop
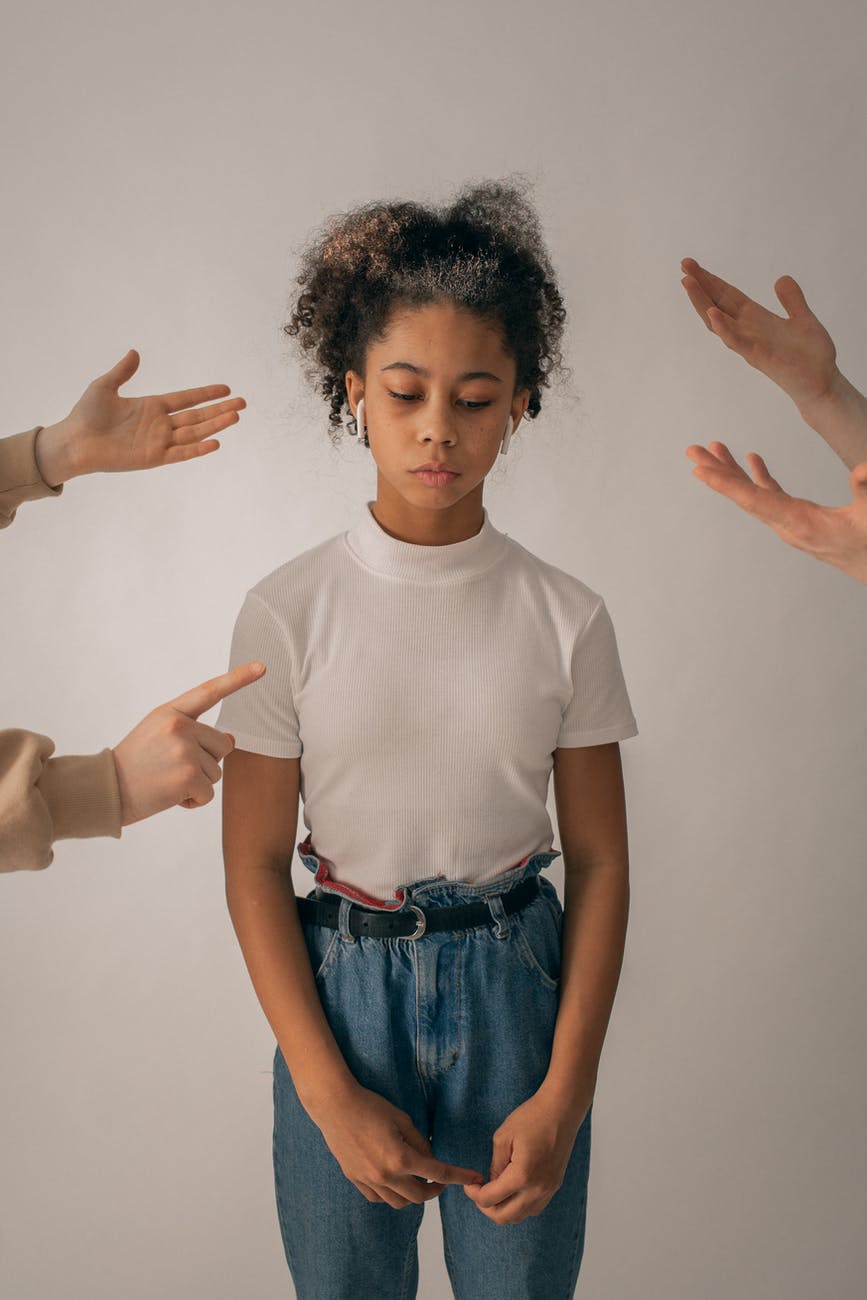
(498, 912)
(343, 920)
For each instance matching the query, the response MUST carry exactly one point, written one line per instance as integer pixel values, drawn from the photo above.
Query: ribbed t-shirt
(425, 689)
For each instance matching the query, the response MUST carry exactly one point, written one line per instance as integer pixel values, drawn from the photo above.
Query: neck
(427, 526)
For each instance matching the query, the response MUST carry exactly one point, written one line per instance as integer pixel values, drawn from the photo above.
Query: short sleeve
(262, 716)
(599, 710)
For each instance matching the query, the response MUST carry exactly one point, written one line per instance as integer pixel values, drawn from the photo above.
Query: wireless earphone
(510, 428)
(360, 426)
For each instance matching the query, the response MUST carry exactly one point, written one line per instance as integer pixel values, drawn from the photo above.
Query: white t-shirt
(425, 689)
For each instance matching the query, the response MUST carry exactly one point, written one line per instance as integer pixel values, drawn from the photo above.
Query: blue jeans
(456, 1029)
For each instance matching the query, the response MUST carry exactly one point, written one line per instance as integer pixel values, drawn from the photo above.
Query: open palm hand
(123, 433)
(795, 351)
(836, 535)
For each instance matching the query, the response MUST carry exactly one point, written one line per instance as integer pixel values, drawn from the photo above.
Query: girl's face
(439, 387)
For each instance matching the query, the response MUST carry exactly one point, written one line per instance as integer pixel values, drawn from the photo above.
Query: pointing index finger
(207, 694)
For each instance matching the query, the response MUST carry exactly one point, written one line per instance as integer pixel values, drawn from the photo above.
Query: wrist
(326, 1094)
(571, 1098)
(832, 398)
(54, 450)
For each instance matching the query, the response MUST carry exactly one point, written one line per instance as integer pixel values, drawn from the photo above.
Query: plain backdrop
(163, 164)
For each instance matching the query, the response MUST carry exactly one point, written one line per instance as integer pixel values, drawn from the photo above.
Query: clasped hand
(384, 1155)
(531, 1150)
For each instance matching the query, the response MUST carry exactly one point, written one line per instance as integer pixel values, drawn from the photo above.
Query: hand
(835, 535)
(797, 353)
(383, 1154)
(531, 1152)
(171, 760)
(107, 432)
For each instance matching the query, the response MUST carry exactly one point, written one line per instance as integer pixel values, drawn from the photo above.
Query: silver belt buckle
(420, 926)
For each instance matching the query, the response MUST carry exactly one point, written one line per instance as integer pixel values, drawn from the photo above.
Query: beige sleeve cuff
(43, 799)
(20, 479)
(83, 795)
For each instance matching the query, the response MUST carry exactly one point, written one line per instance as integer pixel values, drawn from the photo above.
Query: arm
(531, 1149)
(43, 799)
(20, 476)
(169, 759)
(376, 1144)
(591, 816)
(260, 815)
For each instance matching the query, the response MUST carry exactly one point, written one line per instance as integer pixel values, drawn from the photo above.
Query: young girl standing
(439, 1016)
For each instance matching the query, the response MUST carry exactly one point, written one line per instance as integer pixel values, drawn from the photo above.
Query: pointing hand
(170, 759)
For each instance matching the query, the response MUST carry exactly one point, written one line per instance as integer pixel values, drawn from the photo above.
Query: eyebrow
(418, 370)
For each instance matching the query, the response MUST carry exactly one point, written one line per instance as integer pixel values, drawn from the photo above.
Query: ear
(354, 389)
(520, 402)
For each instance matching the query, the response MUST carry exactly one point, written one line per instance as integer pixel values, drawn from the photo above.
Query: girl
(439, 1017)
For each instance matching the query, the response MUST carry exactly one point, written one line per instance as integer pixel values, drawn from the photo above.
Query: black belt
(414, 921)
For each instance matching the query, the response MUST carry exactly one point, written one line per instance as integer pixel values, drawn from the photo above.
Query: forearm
(840, 417)
(55, 451)
(596, 910)
(265, 916)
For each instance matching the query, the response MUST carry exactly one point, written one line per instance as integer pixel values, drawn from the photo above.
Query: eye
(403, 397)
(475, 406)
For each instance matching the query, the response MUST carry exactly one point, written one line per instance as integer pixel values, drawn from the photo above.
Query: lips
(434, 467)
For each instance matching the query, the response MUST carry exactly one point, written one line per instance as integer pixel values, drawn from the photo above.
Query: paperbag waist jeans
(456, 1029)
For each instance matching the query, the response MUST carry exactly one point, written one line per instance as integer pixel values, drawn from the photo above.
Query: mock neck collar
(378, 550)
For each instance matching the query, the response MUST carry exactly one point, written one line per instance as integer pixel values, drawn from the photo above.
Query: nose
(438, 424)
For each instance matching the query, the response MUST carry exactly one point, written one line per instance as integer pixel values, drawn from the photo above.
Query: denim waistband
(431, 891)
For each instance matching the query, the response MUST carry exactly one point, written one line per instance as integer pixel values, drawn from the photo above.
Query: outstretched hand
(106, 432)
(795, 350)
(836, 535)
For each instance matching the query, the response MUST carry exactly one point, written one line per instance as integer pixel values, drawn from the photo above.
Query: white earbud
(360, 427)
(510, 427)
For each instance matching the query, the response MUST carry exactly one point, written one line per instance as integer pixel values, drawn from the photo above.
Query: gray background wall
(163, 163)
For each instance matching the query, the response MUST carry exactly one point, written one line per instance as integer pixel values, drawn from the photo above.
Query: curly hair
(484, 252)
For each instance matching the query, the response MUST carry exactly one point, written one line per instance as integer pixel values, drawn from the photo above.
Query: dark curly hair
(484, 251)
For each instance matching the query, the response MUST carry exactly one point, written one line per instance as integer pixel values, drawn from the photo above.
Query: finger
(415, 1190)
(760, 472)
(216, 743)
(210, 766)
(701, 455)
(723, 294)
(207, 694)
(791, 295)
(502, 1151)
(498, 1189)
(194, 396)
(122, 372)
(858, 479)
(722, 453)
(367, 1191)
(199, 792)
(184, 418)
(697, 296)
(394, 1199)
(437, 1172)
(174, 455)
(767, 506)
(196, 432)
(723, 327)
(512, 1210)
(708, 459)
